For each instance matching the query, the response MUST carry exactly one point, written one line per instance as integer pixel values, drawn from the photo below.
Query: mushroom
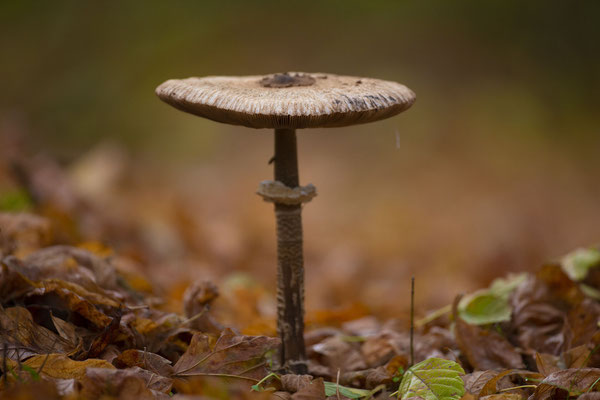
(286, 102)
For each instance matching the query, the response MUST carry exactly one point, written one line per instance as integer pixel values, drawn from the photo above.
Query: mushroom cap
(291, 100)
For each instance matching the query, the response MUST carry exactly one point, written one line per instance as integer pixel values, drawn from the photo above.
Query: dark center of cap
(286, 80)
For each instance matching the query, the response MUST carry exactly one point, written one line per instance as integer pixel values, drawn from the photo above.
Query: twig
(518, 387)
(432, 316)
(412, 320)
(4, 369)
(218, 375)
(337, 385)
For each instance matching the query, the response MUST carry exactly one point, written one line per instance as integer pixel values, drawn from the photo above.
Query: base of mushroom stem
(294, 367)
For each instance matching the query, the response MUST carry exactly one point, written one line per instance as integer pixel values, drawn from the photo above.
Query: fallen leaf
(114, 376)
(475, 381)
(61, 295)
(486, 349)
(382, 347)
(315, 390)
(590, 396)
(490, 305)
(567, 382)
(231, 354)
(32, 391)
(547, 363)
(579, 262)
(433, 379)
(22, 233)
(501, 382)
(197, 300)
(143, 359)
(502, 396)
(72, 264)
(62, 367)
(577, 357)
(130, 383)
(337, 353)
(26, 338)
(540, 308)
(293, 383)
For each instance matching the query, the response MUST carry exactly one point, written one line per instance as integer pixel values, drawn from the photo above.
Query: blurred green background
(495, 168)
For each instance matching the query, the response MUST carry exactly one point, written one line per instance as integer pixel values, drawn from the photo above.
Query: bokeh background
(496, 167)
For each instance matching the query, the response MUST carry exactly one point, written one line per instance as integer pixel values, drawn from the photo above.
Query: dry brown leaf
(337, 353)
(292, 383)
(562, 384)
(114, 376)
(437, 342)
(197, 299)
(315, 390)
(13, 284)
(475, 381)
(380, 348)
(26, 338)
(97, 299)
(368, 378)
(62, 367)
(31, 391)
(583, 321)
(62, 297)
(100, 383)
(231, 354)
(503, 396)
(551, 314)
(484, 349)
(547, 363)
(72, 264)
(280, 395)
(146, 360)
(499, 383)
(577, 357)
(72, 333)
(365, 326)
(590, 396)
(22, 233)
(106, 337)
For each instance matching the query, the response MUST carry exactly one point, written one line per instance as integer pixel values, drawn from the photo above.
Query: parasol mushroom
(286, 102)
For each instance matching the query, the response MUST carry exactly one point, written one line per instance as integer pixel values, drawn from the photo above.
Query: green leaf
(433, 379)
(578, 263)
(331, 389)
(490, 305)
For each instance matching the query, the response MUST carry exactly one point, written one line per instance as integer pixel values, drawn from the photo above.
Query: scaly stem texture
(290, 262)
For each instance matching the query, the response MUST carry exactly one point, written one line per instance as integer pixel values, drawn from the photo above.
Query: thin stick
(337, 385)
(412, 320)
(4, 369)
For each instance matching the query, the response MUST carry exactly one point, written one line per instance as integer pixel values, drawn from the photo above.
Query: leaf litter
(77, 321)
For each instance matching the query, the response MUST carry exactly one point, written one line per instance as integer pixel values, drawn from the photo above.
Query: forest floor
(79, 319)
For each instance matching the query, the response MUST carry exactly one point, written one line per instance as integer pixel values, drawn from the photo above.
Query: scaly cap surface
(291, 100)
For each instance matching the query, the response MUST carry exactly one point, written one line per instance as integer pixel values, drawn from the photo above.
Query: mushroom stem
(290, 263)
